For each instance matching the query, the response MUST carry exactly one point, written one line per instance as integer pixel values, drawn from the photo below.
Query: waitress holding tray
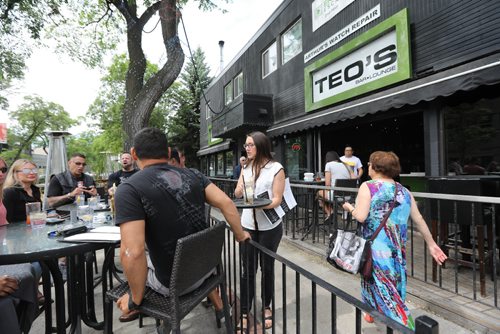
(268, 176)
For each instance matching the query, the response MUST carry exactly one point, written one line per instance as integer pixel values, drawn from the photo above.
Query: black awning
(214, 149)
(485, 71)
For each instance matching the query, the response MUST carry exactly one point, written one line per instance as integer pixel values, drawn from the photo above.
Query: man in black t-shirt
(156, 207)
(65, 186)
(128, 169)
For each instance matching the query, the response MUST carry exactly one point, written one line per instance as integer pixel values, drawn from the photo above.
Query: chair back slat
(195, 256)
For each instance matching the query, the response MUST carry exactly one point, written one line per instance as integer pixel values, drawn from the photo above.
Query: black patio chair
(196, 255)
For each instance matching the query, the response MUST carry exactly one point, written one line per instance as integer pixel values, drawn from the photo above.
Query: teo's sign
(377, 58)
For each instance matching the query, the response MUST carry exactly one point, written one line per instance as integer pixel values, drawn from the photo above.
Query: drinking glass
(248, 191)
(31, 207)
(38, 219)
(86, 214)
(80, 200)
(94, 202)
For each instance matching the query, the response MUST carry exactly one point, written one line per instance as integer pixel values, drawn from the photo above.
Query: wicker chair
(195, 256)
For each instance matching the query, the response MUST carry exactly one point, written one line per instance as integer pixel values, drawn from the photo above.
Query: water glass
(248, 191)
(31, 208)
(86, 214)
(80, 200)
(73, 216)
(38, 219)
(94, 202)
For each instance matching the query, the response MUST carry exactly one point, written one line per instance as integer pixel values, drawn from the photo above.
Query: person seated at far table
(18, 300)
(334, 169)
(128, 169)
(20, 188)
(65, 186)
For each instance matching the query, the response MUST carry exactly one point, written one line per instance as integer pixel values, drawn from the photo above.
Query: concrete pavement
(202, 320)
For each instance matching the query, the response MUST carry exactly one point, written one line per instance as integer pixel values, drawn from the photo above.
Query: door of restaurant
(403, 135)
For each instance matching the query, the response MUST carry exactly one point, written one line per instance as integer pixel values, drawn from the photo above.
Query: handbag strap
(387, 214)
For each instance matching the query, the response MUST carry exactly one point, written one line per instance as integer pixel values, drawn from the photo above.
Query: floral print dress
(386, 290)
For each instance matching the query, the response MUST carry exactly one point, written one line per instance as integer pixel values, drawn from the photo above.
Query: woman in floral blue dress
(385, 291)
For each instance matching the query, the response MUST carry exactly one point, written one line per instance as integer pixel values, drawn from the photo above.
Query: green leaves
(184, 125)
(31, 120)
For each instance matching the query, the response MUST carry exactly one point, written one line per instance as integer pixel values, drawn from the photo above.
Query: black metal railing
(302, 301)
(466, 227)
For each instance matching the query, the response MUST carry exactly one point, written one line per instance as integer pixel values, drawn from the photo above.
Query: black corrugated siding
(444, 33)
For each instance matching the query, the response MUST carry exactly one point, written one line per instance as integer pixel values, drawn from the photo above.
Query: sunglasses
(4, 170)
(27, 171)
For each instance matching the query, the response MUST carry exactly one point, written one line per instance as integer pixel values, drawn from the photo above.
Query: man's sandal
(268, 320)
(242, 327)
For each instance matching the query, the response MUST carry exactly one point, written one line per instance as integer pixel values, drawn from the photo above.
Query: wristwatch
(131, 305)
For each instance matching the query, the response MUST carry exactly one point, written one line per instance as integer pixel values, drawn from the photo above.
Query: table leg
(59, 296)
(75, 295)
(47, 294)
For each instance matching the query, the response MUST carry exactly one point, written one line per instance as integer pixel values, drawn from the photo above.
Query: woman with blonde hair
(20, 188)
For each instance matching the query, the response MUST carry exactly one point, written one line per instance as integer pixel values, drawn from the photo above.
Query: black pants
(270, 239)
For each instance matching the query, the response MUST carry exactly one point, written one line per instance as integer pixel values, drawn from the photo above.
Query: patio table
(19, 243)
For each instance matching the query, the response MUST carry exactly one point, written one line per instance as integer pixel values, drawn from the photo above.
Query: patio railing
(466, 227)
(302, 301)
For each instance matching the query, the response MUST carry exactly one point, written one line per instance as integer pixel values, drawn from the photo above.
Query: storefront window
(220, 164)
(295, 157)
(472, 132)
(203, 165)
(229, 164)
(211, 165)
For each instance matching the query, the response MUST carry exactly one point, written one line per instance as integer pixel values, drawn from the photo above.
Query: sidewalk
(455, 315)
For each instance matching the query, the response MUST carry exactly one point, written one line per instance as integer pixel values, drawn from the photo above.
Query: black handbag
(350, 252)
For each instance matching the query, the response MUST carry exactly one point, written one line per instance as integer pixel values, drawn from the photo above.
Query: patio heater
(57, 160)
(109, 164)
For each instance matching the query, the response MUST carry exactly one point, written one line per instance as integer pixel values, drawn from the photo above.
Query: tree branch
(123, 8)
(148, 13)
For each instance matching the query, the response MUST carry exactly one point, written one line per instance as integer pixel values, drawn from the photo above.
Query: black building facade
(420, 78)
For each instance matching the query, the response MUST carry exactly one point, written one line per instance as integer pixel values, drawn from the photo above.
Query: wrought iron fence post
(426, 325)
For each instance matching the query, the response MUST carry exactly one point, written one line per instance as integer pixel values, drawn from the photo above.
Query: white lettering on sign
(369, 63)
(352, 27)
(325, 10)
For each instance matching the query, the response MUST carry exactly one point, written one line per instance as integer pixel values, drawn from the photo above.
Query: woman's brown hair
(263, 152)
(385, 163)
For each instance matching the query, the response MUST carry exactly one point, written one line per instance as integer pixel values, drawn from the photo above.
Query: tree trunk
(142, 98)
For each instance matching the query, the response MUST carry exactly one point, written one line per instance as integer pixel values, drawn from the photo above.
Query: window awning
(485, 71)
(214, 149)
